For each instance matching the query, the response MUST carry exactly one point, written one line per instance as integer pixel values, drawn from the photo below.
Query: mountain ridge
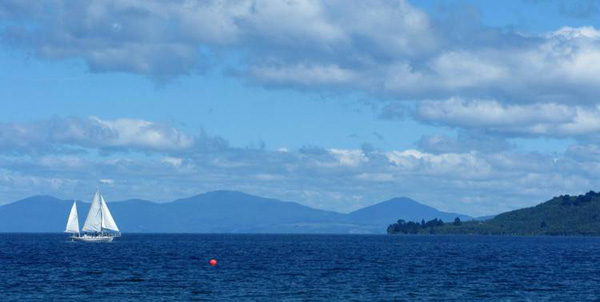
(211, 212)
(385, 211)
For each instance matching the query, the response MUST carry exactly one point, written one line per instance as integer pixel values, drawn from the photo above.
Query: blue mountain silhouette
(217, 212)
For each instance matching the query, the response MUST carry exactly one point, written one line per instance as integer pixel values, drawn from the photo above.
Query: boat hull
(94, 238)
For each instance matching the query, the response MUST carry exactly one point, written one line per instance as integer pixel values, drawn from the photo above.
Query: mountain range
(218, 212)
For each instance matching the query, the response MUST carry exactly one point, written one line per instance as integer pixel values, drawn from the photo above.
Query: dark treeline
(581, 199)
(411, 227)
(561, 215)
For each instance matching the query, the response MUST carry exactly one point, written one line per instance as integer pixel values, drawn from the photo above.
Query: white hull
(86, 238)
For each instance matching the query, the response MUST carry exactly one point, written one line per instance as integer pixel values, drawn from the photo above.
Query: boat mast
(101, 217)
(75, 203)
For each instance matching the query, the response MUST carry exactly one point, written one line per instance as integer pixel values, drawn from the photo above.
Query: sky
(476, 107)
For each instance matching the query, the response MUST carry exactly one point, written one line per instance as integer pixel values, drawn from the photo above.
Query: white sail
(73, 222)
(93, 222)
(108, 223)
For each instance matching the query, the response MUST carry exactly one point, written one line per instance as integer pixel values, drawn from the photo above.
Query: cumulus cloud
(557, 66)
(74, 134)
(480, 79)
(467, 165)
(451, 178)
(335, 179)
(350, 158)
(386, 48)
(540, 119)
(458, 174)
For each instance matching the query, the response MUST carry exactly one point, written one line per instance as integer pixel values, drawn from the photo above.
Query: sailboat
(99, 225)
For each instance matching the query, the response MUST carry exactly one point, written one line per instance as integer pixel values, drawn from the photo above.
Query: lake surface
(158, 267)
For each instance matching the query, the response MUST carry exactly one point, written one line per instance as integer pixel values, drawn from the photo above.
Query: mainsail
(99, 217)
(73, 221)
(93, 222)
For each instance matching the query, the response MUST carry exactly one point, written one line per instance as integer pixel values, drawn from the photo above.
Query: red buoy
(212, 262)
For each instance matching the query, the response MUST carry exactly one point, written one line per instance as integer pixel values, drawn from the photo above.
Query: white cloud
(72, 134)
(386, 48)
(349, 158)
(382, 47)
(159, 39)
(143, 134)
(107, 181)
(461, 165)
(469, 69)
(464, 181)
(542, 119)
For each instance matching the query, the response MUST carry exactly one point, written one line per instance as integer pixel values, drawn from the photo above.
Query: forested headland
(562, 215)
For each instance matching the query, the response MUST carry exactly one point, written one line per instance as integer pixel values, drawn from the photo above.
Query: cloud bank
(540, 119)
(386, 48)
(161, 162)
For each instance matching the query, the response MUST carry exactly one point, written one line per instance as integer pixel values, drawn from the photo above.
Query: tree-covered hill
(562, 215)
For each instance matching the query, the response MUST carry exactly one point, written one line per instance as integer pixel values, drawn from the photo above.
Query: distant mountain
(562, 215)
(215, 212)
(484, 218)
(35, 214)
(235, 212)
(391, 210)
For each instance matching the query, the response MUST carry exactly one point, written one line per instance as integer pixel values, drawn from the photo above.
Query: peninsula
(562, 215)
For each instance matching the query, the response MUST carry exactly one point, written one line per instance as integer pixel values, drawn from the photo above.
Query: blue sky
(469, 106)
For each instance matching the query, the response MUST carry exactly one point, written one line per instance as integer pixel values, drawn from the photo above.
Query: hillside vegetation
(562, 215)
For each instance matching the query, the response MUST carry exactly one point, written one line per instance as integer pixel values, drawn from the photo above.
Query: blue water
(299, 268)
